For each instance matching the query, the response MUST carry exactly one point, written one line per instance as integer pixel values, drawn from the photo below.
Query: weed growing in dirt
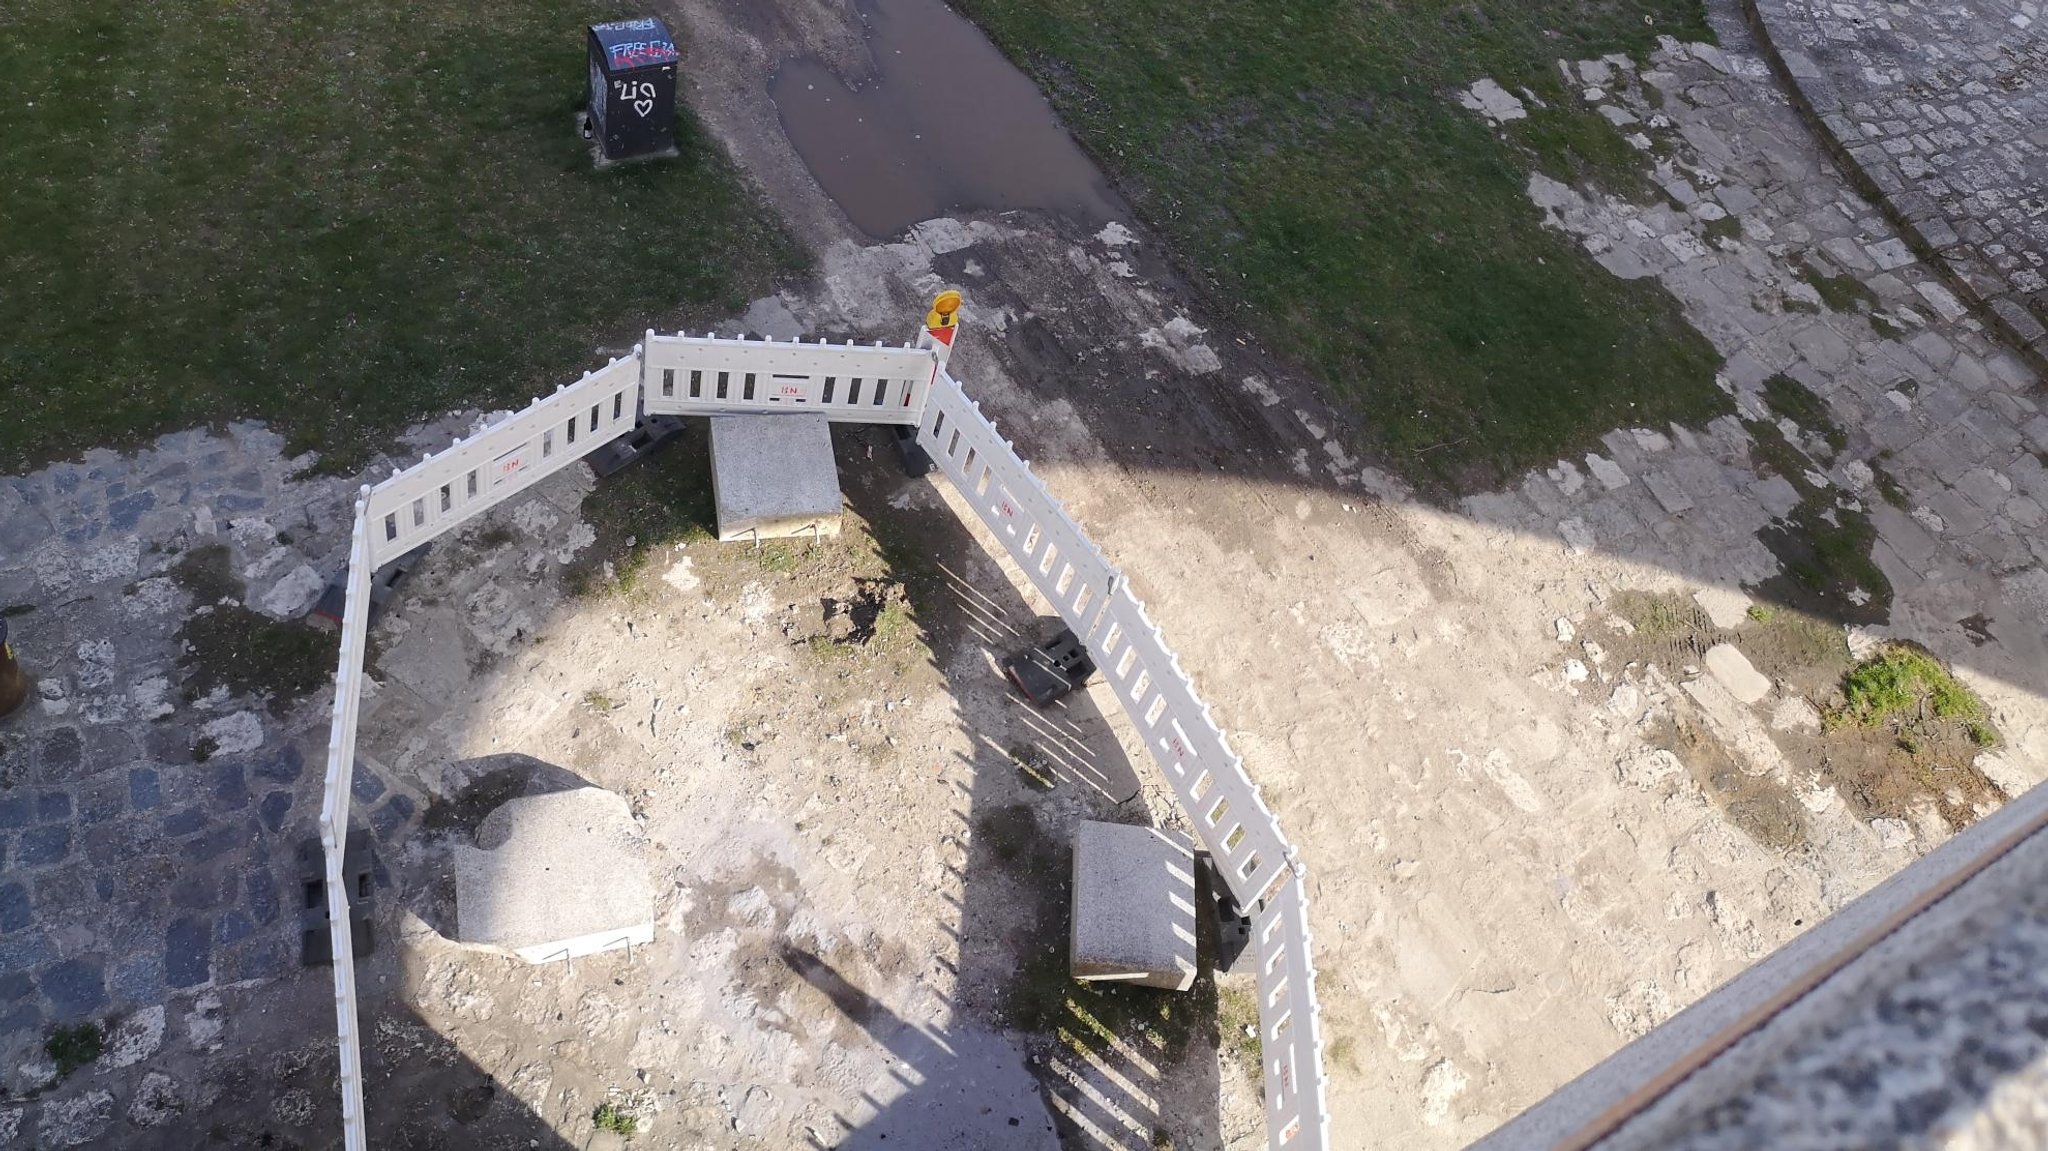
(1237, 1023)
(598, 701)
(650, 507)
(609, 1117)
(71, 1048)
(1901, 679)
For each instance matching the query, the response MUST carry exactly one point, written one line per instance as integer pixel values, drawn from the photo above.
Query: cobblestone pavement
(1939, 438)
(1942, 107)
(149, 839)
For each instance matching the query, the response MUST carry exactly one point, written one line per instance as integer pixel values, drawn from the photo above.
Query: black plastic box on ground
(633, 87)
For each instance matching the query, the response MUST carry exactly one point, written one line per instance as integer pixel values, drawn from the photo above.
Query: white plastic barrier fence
(1235, 825)
(472, 475)
(341, 757)
(704, 375)
(709, 376)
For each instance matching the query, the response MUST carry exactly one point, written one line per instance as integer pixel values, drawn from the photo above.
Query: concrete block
(1736, 673)
(556, 876)
(773, 476)
(1134, 906)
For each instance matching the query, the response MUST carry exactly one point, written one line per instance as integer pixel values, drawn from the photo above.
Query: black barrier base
(1233, 926)
(1051, 670)
(383, 586)
(648, 435)
(357, 871)
(917, 462)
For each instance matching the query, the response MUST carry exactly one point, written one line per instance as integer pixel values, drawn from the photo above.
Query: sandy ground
(857, 853)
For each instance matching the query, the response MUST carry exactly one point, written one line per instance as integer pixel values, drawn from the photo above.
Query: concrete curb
(1605, 1100)
(2001, 312)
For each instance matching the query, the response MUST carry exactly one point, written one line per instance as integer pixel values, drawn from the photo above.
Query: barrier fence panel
(701, 375)
(474, 474)
(1234, 824)
(334, 810)
(704, 375)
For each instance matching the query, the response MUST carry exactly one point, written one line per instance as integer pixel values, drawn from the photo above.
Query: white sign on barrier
(703, 375)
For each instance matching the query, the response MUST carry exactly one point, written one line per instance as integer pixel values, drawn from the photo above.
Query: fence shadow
(1117, 1066)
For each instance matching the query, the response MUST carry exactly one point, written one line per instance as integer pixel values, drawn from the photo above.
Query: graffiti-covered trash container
(633, 87)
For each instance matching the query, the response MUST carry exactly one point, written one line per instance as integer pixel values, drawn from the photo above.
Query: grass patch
(225, 643)
(278, 661)
(1841, 293)
(1789, 398)
(206, 573)
(613, 1118)
(332, 217)
(1237, 1023)
(71, 1048)
(1823, 543)
(650, 507)
(598, 701)
(1728, 228)
(1312, 166)
(1901, 679)
(1888, 487)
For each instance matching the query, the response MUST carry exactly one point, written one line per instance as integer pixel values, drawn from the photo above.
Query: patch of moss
(611, 1117)
(207, 575)
(253, 655)
(1823, 543)
(71, 1048)
(1840, 293)
(1900, 679)
(1792, 400)
(1888, 487)
(1725, 228)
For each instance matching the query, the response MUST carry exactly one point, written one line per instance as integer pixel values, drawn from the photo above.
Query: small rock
(1795, 714)
(235, 734)
(135, 1038)
(1743, 681)
(1892, 833)
(156, 1101)
(1727, 607)
(294, 1108)
(293, 594)
(204, 1023)
(1564, 630)
(78, 1121)
(1606, 471)
(1494, 102)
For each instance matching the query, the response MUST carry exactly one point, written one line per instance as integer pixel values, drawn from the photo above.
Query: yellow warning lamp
(944, 316)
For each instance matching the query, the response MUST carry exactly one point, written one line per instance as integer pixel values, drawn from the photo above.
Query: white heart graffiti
(643, 106)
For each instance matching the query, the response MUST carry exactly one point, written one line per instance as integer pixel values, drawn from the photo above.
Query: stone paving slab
(1940, 109)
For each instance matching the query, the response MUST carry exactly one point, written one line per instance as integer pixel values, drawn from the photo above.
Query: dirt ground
(1532, 831)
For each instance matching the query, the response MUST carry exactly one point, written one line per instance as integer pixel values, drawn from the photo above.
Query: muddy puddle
(944, 123)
